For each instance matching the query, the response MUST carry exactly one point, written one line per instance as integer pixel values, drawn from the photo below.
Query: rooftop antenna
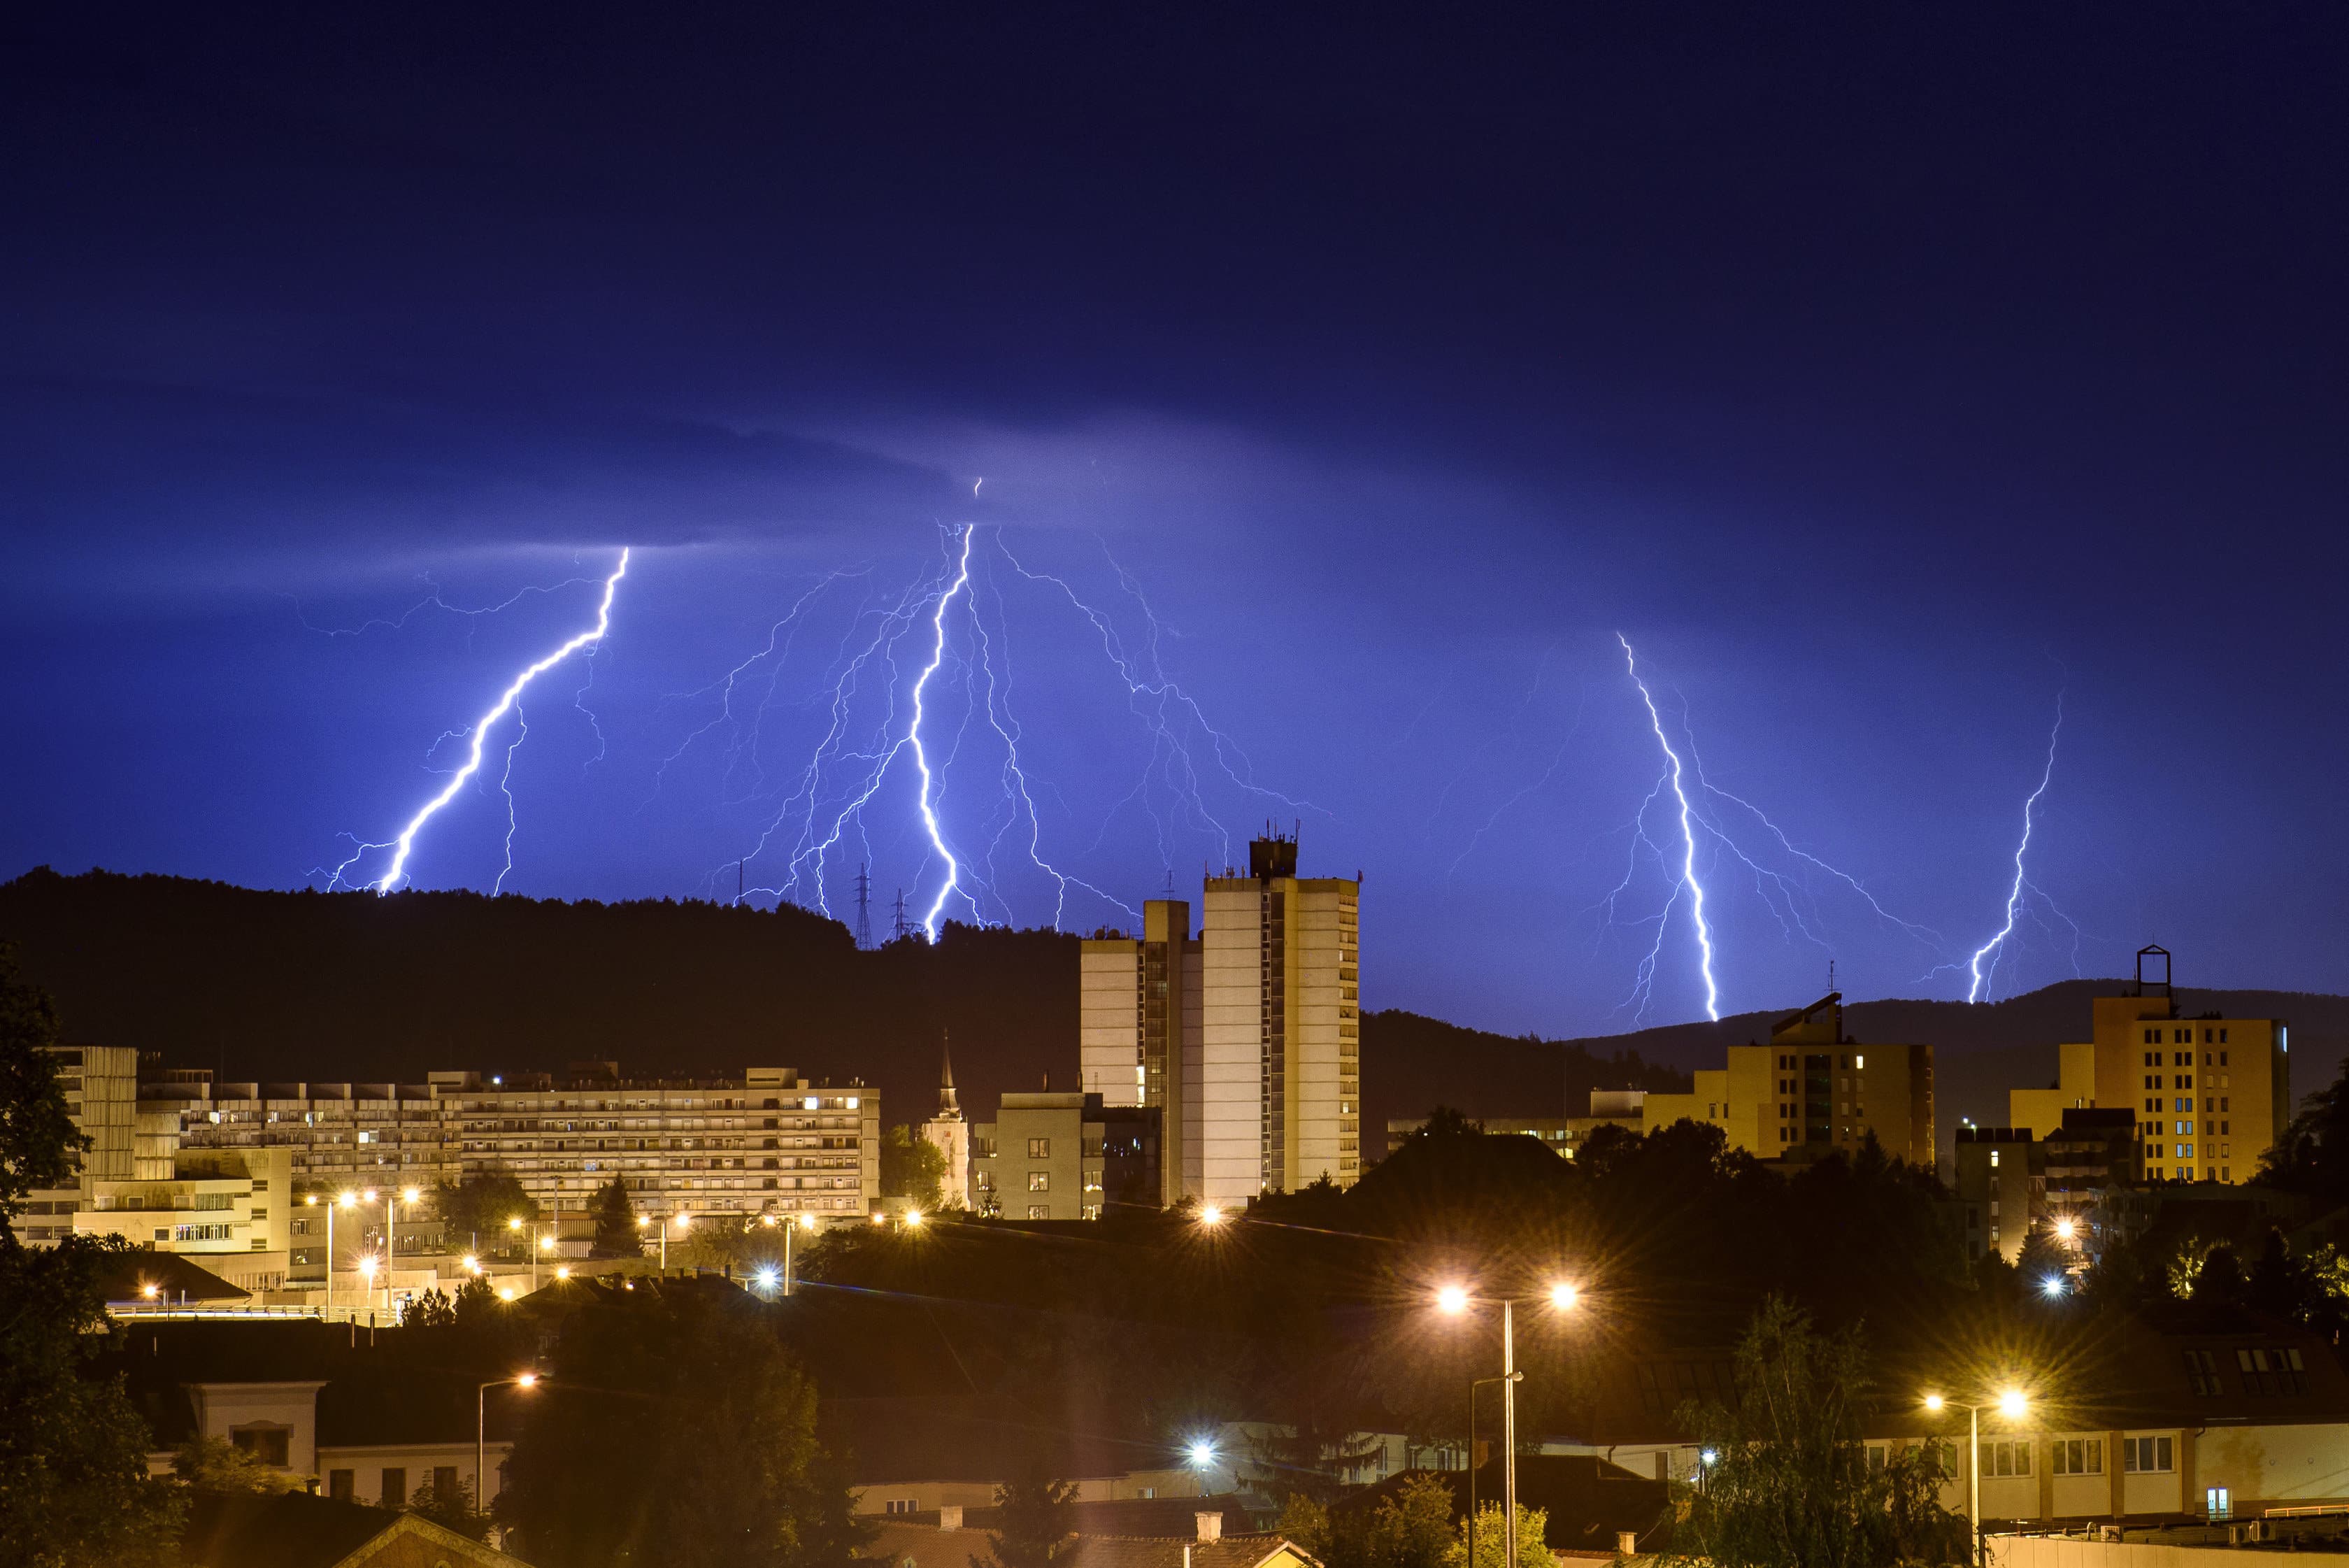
(864, 912)
(737, 882)
(1831, 984)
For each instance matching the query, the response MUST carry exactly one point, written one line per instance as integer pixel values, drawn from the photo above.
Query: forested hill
(349, 986)
(335, 987)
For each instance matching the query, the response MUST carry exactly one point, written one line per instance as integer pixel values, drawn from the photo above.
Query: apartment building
(2010, 1182)
(768, 1139)
(2209, 1093)
(101, 1090)
(1812, 1090)
(226, 1208)
(1049, 1156)
(1245, 1039)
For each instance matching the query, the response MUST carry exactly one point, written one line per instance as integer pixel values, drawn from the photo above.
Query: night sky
(1882, 376)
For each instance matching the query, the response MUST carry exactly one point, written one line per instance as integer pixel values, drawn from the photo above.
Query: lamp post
(391, 1238)
(1453, 1300)
(482, 1433)
(2011, 1403)
(806, 1221)
(1473, 1386)
(537, 1245)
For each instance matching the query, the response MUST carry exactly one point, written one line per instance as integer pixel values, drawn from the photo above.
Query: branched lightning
(921, 752)
(510, 698)
(1688, 877)
(2015, 902)
(961, 616)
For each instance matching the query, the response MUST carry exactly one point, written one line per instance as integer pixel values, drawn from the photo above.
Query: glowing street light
(1203, 1458)
(505, 1293)
(2011, 1403)
(482, 1429)
(1453, 1301)
(2065, 1230)
(2051, 1286)
(1211, 1216)
(913, 1219)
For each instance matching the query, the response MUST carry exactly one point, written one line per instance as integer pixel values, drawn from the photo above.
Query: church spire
(948, 1105)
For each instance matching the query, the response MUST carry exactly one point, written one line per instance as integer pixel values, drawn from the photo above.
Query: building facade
(1812, 1090)
(101, 1090)
(1245, 1040)
(1140, 1038)
(767, 1141)
(1054, 1155)
(2209, 1093)
(1280, 1031)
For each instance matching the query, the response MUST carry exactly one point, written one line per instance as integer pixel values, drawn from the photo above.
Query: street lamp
(482, 1433)
(538, 1244)
(681, 1221)
(2010, 1404)
(1202, 1456)
(1211, 1216)
(1453, 1300)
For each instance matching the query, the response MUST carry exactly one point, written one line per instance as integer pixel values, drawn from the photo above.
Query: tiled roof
(905, 1545)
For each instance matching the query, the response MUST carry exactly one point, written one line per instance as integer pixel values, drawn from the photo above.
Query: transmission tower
(904, 929)
(863, 911)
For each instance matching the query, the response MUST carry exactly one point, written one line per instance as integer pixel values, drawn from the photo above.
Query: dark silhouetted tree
(913, 1169)
(73, 1452)
(617, 1235)
(1790, 1485)
(1036, 1519)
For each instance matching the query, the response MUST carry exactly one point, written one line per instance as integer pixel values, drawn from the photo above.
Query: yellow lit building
(2210, 1094)
(1813, 1089)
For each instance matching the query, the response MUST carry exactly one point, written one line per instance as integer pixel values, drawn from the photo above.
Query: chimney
(1211, 1524)
(1627, 1543)
(949, 1516)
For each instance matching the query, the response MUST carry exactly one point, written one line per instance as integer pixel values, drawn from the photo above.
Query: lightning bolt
(1990, 949)
(1688, 877)
(921, 752)
(508, 699)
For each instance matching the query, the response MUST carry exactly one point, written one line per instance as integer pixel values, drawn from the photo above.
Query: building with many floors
(767, 1141)
(1064, 1156)
(101, 1090)
(1247, 1039)
(2209, 1093)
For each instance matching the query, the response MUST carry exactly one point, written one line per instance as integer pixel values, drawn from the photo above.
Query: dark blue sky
(1879, 375)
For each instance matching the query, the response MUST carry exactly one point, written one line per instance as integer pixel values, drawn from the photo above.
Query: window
(2144, 1456)
(2266, 1371)
(1039, 1149)
(1039, 1182)
(1993, 1160)
(395, 1487)
(1875, 1458)
(1040, 1212)
(266, 1444)
(2006, 1459)
(902, 1504)
(2077, 1456)
(341, 1485)
(2218, 1502)
(444, 1482)
(2202, 1376)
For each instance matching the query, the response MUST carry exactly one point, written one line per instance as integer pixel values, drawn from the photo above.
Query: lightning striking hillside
(1697, 810)
(508, 700)
(1687, 880)
(2022, 885)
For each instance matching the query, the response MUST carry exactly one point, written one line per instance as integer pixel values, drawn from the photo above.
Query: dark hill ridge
(349, 986)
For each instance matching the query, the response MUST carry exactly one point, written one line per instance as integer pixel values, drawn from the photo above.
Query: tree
(1790, 1485)
(217, 1465)
(1035, 1520)
(1411, 1528)
(73, 1452)
(913, 1169)
(2045, 1256)
(616, 1235)
(1305, 1521)
(474, 1212)
(452, 1508)
(39, 1145)
(1493, 1539)
(674, 1429)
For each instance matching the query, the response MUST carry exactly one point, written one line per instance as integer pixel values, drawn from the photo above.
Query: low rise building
(1560, 1134)
(1812, 1090)
(225, 1208)
(1054, 1155)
